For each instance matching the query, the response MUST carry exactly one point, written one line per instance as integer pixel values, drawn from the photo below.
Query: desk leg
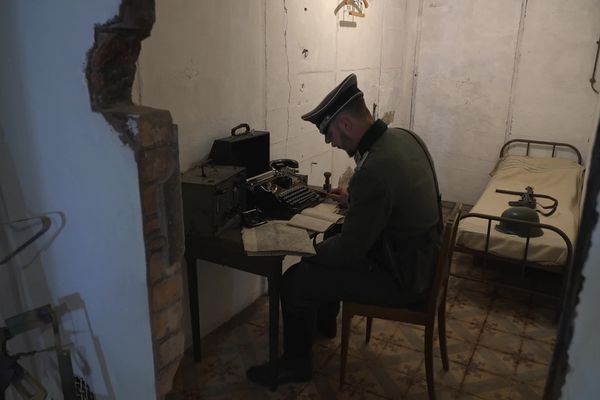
(192, 276)
(274, 281)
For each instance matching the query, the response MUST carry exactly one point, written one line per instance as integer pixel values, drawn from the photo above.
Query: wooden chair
(436, 304)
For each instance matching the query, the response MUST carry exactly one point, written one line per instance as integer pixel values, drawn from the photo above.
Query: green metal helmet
(515, 227)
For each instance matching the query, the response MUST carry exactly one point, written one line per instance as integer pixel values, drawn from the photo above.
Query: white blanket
(559, 178)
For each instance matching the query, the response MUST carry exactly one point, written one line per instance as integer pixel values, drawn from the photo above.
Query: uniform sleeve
(368, 213)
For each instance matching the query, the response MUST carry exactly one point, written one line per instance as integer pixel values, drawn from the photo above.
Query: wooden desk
(227, 249)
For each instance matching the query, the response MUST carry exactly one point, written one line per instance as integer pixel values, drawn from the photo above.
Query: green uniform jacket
(392, 195)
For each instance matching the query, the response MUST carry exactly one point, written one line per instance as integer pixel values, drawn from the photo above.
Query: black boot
(327, 319)
(327, 327)
(288, 370)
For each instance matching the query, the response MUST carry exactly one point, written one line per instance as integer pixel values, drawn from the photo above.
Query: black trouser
(311, 291)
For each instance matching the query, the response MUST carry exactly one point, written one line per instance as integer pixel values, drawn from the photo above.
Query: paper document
(317, 218)
(277, 238)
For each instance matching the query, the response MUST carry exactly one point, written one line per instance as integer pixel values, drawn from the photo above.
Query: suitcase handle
(235, 128)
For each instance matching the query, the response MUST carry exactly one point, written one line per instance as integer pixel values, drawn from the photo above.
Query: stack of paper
(277, 238)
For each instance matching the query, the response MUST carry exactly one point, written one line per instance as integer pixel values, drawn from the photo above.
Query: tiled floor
(500, 344)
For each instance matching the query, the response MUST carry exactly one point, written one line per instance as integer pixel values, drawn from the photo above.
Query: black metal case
(213, 198)
(249, 149)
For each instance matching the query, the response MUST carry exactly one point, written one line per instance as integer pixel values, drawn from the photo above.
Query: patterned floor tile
(537, 351)
(228, 340)
(309, 392)
(358, 348)
(529, 392)
(459, 351)
(380, 329)
(362, 381)
(257, 313)
(474, 295)
(322, 357)
(285, 392)
(418, 391)
(450, 379)
(462, 265)
(221, 369)
(531, 373)
(511, 301)
(500, 341)
(499, 344)
(469, 304)
(542, 325)
(402, 361)
(494, 362)
(462, 330)
(509, 321)
(409, 335)
(488, 386)
(471, 279)
(453, 289)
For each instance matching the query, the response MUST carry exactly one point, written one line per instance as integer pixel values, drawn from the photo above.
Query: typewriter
(281, 192)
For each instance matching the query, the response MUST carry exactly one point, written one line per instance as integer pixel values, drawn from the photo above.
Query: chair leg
(369, 325)
(429, 360)
(442, 333)
(346, 318)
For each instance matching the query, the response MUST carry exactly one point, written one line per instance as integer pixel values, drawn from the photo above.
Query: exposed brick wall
(152, 136)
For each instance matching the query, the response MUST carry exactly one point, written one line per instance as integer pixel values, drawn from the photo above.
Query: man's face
(340, 138)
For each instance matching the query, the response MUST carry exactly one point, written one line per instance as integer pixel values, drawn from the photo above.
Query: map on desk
(277, 238)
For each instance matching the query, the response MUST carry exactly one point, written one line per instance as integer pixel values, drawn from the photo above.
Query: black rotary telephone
(277, 165)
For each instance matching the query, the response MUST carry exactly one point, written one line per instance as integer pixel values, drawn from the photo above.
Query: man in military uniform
(386, 250)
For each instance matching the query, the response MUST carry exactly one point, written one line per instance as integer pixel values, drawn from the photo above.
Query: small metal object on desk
(327, 184)
(213, 197)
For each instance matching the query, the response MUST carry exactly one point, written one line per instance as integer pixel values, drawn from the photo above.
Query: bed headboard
(528, 143)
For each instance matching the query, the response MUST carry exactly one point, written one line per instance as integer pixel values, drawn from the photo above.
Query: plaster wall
(205, 63)
(220, 63)
(492, 71)
(553, 99)
(59, 158)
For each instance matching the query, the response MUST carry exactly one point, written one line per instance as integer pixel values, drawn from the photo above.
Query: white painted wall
(219, 63)
(205, 62)
(60, 158)
(489, 71)
(553, 99)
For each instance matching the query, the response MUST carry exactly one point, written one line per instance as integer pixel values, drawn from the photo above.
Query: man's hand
(340, 195)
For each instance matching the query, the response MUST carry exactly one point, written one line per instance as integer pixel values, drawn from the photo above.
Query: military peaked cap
(333, 103)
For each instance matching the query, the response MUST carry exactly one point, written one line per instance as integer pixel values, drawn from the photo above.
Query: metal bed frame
(484, 255)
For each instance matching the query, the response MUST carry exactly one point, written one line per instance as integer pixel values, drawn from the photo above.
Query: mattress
(559, 178)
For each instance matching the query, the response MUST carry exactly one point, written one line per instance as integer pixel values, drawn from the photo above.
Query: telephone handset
(277, 165)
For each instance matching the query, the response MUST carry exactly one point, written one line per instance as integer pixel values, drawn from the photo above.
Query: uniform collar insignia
(371, 135)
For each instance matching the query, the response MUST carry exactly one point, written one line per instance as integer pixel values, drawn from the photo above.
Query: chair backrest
(442, 270)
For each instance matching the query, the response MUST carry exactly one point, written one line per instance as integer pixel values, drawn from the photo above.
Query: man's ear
(345, 122)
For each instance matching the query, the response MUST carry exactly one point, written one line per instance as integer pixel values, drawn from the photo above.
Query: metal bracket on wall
(593, 78)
